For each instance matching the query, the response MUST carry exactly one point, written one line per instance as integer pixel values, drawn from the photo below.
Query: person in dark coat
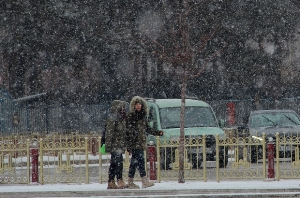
(115, 143)
(138, 127)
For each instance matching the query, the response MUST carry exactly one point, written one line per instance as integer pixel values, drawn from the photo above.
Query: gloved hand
(161, 133)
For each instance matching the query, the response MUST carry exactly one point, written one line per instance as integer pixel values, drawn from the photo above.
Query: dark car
(284, 122)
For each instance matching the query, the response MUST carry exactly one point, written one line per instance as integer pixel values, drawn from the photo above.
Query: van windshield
(194, 117)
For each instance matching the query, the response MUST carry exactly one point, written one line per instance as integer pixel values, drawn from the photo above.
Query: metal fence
(244, 107)
(48, 119)
(76, 159)
(51, 159)
(15, 119)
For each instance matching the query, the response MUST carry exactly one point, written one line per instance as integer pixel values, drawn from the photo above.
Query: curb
(160, 193)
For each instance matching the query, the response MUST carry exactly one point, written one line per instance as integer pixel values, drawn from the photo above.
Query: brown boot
(122, 184)
(146, 183)
(132, 185)
(112, 185)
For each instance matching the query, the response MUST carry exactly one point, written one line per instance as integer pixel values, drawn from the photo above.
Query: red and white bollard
(152, 160)
(270, 149)
(35, 165)
(231, 113)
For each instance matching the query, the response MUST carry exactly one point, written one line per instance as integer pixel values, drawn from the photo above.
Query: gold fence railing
(14, 162)
(243, 162)
(76, 159)
(228, 159)
(287, 147)
(61, 159)
(64, 161)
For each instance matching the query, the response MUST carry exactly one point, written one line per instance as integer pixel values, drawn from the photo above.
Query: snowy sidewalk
(282, 188)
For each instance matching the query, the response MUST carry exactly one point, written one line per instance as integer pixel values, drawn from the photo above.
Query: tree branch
(206, 62)
(207, 38)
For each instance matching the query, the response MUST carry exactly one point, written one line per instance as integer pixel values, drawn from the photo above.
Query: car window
(194, 117)
(152, 117)
(263, 120)
(274, 119)
(288, 119)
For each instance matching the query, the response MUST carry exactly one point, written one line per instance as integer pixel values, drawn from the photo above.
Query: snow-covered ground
(241, 187)
(164, 185)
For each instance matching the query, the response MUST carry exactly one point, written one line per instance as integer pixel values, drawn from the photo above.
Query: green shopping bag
(102, 149)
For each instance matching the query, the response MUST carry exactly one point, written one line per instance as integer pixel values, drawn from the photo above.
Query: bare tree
(181, 48)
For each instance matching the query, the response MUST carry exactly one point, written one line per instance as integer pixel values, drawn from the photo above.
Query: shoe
(122, 184)
(112, 185)
(146, 183)
(132, 185)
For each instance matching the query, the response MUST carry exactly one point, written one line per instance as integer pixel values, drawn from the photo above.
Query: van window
(194, 117)
(152, 118)
(152, 115)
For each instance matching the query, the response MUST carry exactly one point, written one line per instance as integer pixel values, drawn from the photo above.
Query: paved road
(245, 193)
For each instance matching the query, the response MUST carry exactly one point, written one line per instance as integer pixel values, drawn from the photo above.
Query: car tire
(196, 162)
(223, 161)
(165, 159)
(255, 155)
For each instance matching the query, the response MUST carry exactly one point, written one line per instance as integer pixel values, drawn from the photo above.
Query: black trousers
(137, 161)
(116, 166)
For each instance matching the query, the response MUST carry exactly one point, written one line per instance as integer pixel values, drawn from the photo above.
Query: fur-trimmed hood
(116, 105)
(115, 128)
(138, 99)
(138, 126)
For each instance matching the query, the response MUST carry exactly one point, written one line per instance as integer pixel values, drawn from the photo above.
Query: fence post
(270, 147)
(28, 160)
(94, 146)
(158, 158)
(41, 161)
(87, 181)
(15, 140)
(100, 160)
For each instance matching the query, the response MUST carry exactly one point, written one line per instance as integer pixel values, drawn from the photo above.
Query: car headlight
(257, 138)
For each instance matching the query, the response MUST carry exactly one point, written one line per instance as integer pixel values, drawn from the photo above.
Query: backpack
(103, 135)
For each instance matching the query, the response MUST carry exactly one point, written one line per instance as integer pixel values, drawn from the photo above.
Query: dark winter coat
(137, 125)
(116, 128)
